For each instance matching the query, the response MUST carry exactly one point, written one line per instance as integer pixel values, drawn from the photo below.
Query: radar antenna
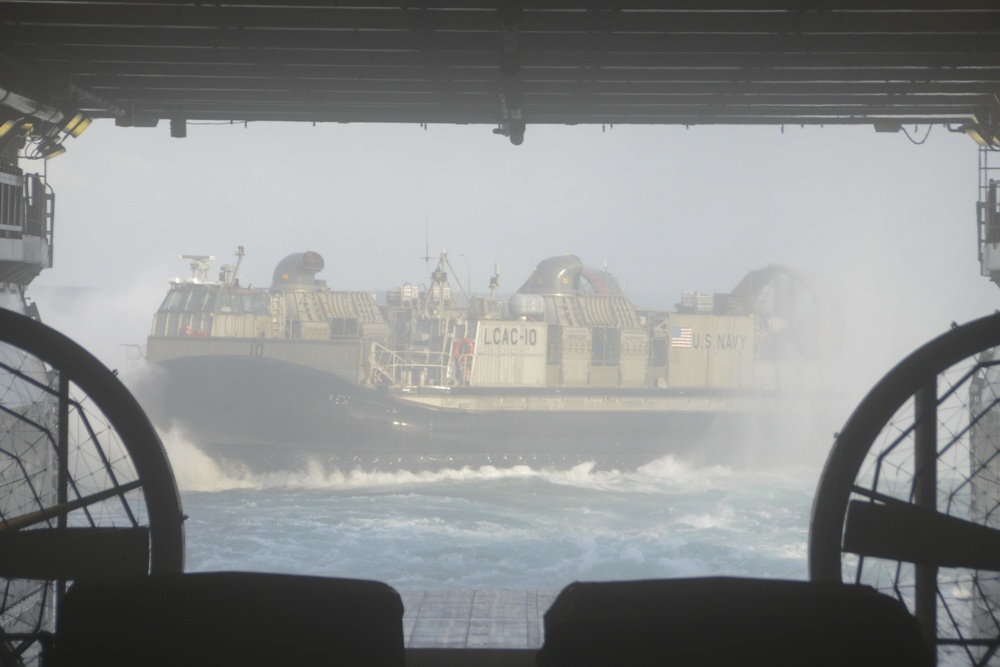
(200, 265)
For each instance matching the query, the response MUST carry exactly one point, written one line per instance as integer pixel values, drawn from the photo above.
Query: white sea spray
(490, 527)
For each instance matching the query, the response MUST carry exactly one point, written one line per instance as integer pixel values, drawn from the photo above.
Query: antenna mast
(495, 281)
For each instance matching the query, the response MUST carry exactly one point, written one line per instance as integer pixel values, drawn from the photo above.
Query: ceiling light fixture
(75, 126)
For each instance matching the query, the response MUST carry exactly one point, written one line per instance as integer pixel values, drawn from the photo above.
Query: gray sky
(889, 223)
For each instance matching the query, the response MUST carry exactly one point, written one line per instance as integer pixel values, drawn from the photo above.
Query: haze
(889, 223)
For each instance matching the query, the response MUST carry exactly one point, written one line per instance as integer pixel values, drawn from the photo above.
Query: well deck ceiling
(878, 62)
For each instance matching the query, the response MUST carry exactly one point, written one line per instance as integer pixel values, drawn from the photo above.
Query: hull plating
(267, 414)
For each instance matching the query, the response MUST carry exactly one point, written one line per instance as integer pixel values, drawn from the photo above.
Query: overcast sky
(889, 223)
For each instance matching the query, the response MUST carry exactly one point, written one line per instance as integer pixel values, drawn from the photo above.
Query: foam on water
(489, 527)
(195, 471)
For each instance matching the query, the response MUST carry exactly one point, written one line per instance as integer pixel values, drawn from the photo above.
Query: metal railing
(411, 367)
(988, 216)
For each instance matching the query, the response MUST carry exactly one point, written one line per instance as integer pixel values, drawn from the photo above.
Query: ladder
(278, 315)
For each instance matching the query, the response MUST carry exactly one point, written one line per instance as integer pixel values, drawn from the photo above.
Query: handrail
(391, 364)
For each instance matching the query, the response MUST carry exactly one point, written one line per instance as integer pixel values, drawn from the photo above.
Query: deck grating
(474, 618)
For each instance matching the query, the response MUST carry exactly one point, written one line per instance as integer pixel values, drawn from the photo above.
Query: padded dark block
(729, 621)
(230, 618)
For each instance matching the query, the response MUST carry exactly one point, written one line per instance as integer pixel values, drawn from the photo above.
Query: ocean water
(489, 528)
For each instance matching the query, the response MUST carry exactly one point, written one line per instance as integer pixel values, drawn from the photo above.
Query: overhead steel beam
(604, 5)
(57, 55)
(739, 20)
(636, 61)
(347, 39)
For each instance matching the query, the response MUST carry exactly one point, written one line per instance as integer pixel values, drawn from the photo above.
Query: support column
(925, 496)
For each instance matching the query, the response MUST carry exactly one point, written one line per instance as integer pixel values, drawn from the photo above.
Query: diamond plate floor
(474, 618)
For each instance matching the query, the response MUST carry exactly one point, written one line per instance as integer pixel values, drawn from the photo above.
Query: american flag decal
(681, 337)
